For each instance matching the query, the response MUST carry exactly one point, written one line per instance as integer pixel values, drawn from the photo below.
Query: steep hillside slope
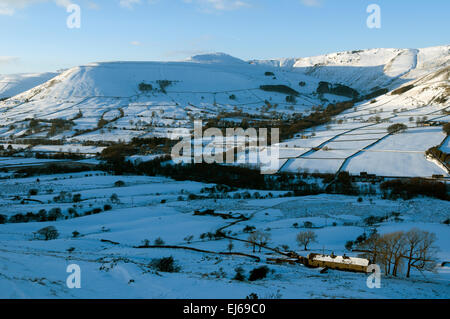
(114, 101)
(13, 84)
(160, 94)
(367, 70)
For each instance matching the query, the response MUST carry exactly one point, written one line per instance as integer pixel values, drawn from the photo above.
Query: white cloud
(93, 5)
(8, 59)
(9, 7)
(136, 43)
(6, 10)
(63, 3)
(311, 3)
(220, 5)
(129, 3)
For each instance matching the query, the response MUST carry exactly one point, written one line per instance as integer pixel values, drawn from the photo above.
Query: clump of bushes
(72, 212)
(54, 214)
(47, 233)
(114, 199)
(239, 274)
(258, 273)
(308, 224)
(372, 220)
(397, 128)
(119, 184)
(166, 264)
(144, 87)
(93, 211)
(159, 242)
(249, 229)
(291, 99)
(163, 84)
(349, 245)
(220, 273)
(358, 241)
(63, 197)
(76, 198)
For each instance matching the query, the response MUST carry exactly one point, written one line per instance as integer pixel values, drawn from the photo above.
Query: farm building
(313, 260)
(343, 263)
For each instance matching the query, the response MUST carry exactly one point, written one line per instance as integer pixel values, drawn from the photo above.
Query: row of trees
(56, 126)
(409, 188)
(413, 249)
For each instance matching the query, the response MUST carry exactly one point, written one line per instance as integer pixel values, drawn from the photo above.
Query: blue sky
(35, 37)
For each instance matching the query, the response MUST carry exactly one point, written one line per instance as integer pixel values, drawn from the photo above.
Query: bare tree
(252, 240)
(258, 238)
(398, 248)
(392, 248)
(263, 239)
(305, 238)
(372, 248)
(421, 252)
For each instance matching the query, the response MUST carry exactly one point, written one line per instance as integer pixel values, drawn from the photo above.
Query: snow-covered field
(357, 144)
(152, 207)
(112, 215)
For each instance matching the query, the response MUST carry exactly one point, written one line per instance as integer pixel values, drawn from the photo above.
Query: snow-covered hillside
(201, 87)
(116, 228)
(367, 70)
(144, 99)
(14, 84)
